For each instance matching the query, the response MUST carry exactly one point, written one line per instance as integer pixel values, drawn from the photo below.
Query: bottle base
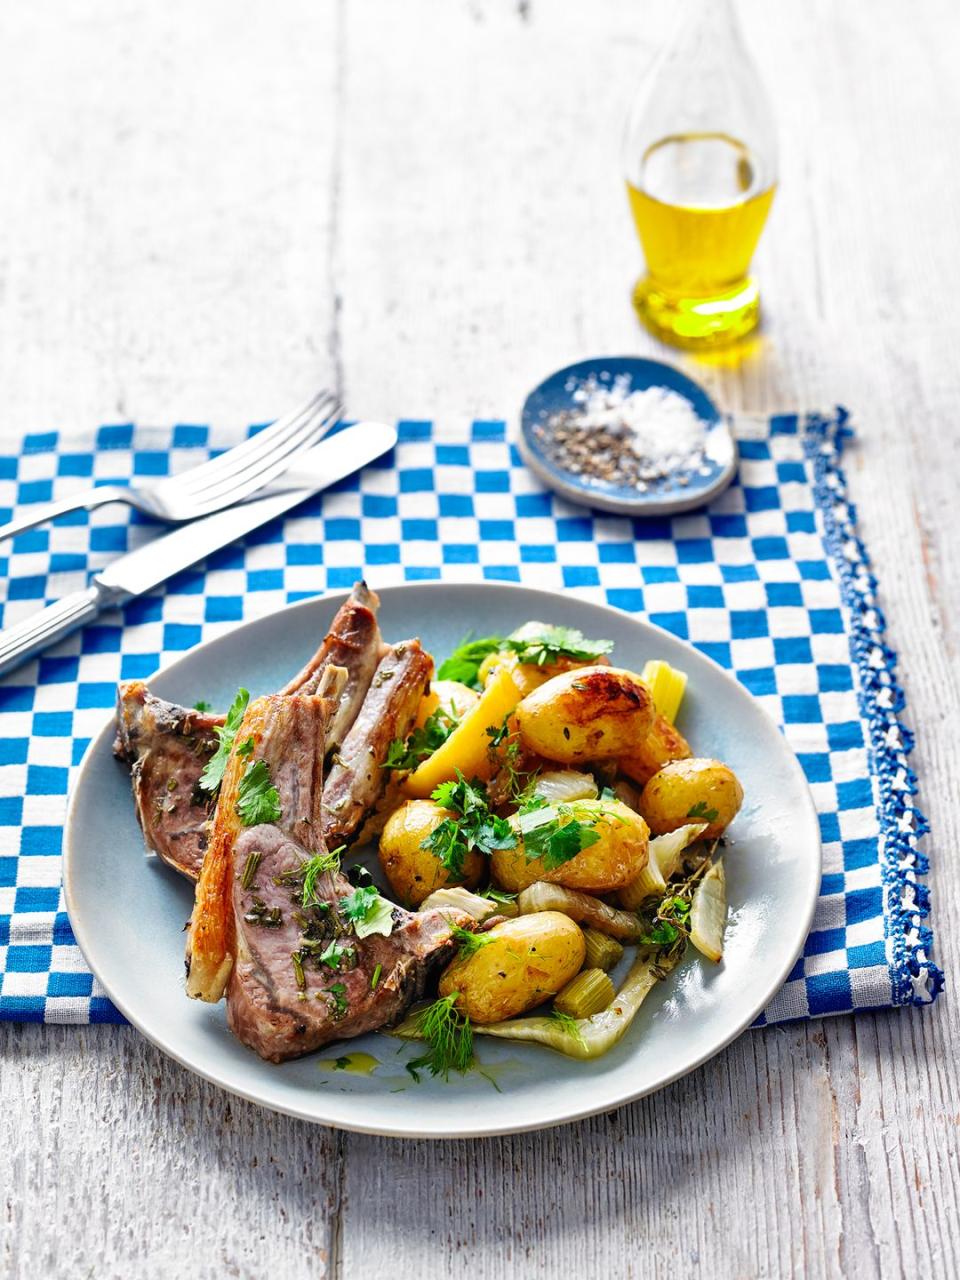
(698, 323)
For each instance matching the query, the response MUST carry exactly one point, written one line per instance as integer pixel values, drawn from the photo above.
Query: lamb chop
(357, 778)
(269, 925)
(168, 745)
(353, 642)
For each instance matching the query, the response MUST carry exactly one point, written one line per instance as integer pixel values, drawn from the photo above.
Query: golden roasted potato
(412, 871)
(592, 713)
(662, 744)
(614, 860)
(692, 790)
(446, 694)
(516, 965)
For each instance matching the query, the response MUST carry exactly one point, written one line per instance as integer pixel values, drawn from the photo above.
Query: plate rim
(80, 929)
(652, 507)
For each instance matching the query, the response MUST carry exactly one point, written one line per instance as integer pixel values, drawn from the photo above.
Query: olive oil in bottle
(700, 162)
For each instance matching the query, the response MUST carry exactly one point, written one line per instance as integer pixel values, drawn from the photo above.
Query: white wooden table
(208, 208)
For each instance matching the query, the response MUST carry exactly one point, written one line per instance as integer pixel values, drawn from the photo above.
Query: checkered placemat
(771, 581)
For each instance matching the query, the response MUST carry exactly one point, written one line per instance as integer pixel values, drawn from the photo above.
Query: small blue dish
(669, 496)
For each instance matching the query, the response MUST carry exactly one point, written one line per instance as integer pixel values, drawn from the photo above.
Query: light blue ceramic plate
(668, 497)
(128, 910)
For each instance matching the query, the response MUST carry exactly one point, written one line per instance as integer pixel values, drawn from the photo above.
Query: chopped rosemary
(297, 959)
(250, 868)
(260, 914)
(375, 980)
(212, 775)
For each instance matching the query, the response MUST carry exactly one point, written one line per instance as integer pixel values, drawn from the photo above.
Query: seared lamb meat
(167, 747)
(353, 642)
(296, 976)
(357, 778)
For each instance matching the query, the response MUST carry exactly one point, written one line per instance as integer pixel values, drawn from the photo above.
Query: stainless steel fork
(219, 483)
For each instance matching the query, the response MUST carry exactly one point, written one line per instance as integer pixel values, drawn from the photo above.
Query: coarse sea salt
(627, 438)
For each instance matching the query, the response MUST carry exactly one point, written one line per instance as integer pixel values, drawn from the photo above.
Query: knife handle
(40, 630)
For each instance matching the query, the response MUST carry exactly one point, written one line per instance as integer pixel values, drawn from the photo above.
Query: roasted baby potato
(591, 713)
(449, 694)
(516, 965)
(692, 790)
(412, 871)
(614, 860)
(662, 744)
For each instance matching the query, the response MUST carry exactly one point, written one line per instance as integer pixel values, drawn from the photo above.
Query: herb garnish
(470, 942)
(258, 800)
(700, 810)
(473, 827)
(465, 661)
(340, 1003)
(557, 832)
(368, 912)
(546, 644)
(375, 980)
(250, 868)
(496, 895)
(202, 706)
(312, 870)
(337, 957)
(212, 775)
(448, 1036)
(568, 1022)
(423, 742)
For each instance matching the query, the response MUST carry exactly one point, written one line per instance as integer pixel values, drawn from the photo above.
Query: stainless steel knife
(140, 571)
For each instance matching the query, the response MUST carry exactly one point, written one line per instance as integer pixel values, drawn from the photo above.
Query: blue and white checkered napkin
(772, 582)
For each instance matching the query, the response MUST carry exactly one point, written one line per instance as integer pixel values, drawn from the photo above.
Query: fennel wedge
(592, 1037)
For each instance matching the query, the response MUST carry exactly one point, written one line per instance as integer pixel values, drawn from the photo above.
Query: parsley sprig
(557, 832)
(535, 642)
(424, 741)
(547, 644)
(472, 827)
(212, 775)
(258, 800)
(368, 912)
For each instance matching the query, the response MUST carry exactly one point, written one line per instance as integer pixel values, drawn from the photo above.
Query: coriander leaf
(340, 1002)
(258, 800)
(423, 742)
(465, 661)
(368, 912)
(335, 955)
(542, 644)
(202, 706)
(212, 775)
(244, 748)
(700, 810)
(448, 846)
(557, 833)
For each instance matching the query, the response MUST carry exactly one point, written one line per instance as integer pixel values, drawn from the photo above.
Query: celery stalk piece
(592, 1037)
(667, 686)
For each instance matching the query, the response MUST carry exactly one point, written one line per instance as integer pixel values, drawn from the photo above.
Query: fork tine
(258, 471)
(198, 478)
